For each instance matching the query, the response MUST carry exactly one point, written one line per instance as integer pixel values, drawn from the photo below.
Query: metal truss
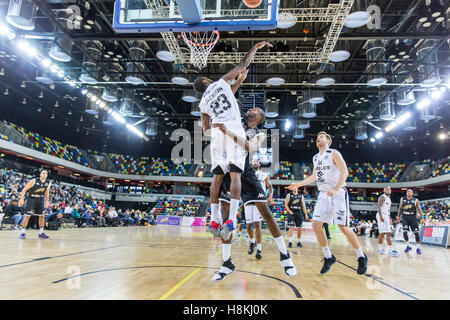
(169, 37)
(334, 13)
(264, 57)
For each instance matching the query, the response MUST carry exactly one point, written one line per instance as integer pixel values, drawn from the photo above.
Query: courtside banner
(168, 220)
(193, 222)
(435, 235)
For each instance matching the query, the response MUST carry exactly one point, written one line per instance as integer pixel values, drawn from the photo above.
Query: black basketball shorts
(35, 206)
(410, 222)
(295, 220)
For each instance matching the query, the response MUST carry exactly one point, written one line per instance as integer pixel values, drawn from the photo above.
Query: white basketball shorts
(252, 214)
(224, 151)
(333, 209)
(385, 226)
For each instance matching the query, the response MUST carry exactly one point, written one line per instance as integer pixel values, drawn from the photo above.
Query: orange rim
(201, 44)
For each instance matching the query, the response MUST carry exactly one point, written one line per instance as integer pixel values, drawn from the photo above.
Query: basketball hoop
(201, 44)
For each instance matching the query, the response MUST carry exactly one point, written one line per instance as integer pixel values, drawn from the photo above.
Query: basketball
(252, 3)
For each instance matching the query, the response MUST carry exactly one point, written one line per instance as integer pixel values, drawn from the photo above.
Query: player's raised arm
(242, 76)
(311, 179)
(245, 62)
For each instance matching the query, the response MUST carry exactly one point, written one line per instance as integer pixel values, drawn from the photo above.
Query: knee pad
(234, 168)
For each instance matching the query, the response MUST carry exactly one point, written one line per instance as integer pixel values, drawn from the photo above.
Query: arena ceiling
(58, 110)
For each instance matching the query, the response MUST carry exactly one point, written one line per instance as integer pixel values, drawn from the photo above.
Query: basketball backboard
(147, 16)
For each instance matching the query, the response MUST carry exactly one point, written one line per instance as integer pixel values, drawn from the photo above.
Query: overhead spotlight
(41, 95)
(2, 72)
(60, 74)
(189, 96)
(341, 51)
(94, 98)
(372, 140)
(46, 62)
(56, 104)
(179, 78)
(442, 136)
(81, 119)
(277, 69)
(423, 103)
(270, 124)
(6, 92)
(287, 125)
(66, 123)
(286, 20)
(379, 135)
(22, 85)
(271, 107)
(135, 69)
(54, 69)
(196, 109)
(39, 109)
(69, 113)
(22, 45)
(52, 116)
(359, 16)
(164, 53)
(84, 91)
(21, 14)
(436, 94)
(4, 29)
(24, 101)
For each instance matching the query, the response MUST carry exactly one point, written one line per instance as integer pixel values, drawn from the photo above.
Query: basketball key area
(171, 262)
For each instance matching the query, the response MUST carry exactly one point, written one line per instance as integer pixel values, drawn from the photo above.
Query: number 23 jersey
(219, 103)
(327, 173)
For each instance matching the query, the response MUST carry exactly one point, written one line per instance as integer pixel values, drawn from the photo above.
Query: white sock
(216, 215)
(298, 240)
(380, 247)
(418, 245)
(226, 251)
(326, 252)
(234, 207)
(290, 239)
(252, 240)
(41, 230)
(281, 245)
(259, 246)
(359, 253)
(23, 229)
(390, 248)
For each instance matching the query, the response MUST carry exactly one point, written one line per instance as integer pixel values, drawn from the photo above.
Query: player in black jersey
(407, 215)
(295, 205)
(251, 192)
(38, 192)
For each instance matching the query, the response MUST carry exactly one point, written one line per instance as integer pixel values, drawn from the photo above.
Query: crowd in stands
(53, 147)
(68, 204)
(280, 213)
(443, 168)
(375, 172)
(148, 166)
(175, 207)
(284, 172)
(436, 212)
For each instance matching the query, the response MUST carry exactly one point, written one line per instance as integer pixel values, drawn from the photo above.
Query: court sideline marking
(48, 258)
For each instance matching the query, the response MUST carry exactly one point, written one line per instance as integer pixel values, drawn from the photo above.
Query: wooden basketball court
(167, 262)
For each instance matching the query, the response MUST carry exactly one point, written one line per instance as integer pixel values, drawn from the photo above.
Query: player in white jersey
(219, 106)
(384, 221)
(253, 217)
(330, 172)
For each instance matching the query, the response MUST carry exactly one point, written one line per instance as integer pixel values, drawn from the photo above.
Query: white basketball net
(201, 44)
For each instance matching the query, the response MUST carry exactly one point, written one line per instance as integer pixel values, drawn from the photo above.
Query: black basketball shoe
(251, 249)
(362, 264)
(258, 254)
(299, 244)
(226, 268)
(327, 263)
(290, 245)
